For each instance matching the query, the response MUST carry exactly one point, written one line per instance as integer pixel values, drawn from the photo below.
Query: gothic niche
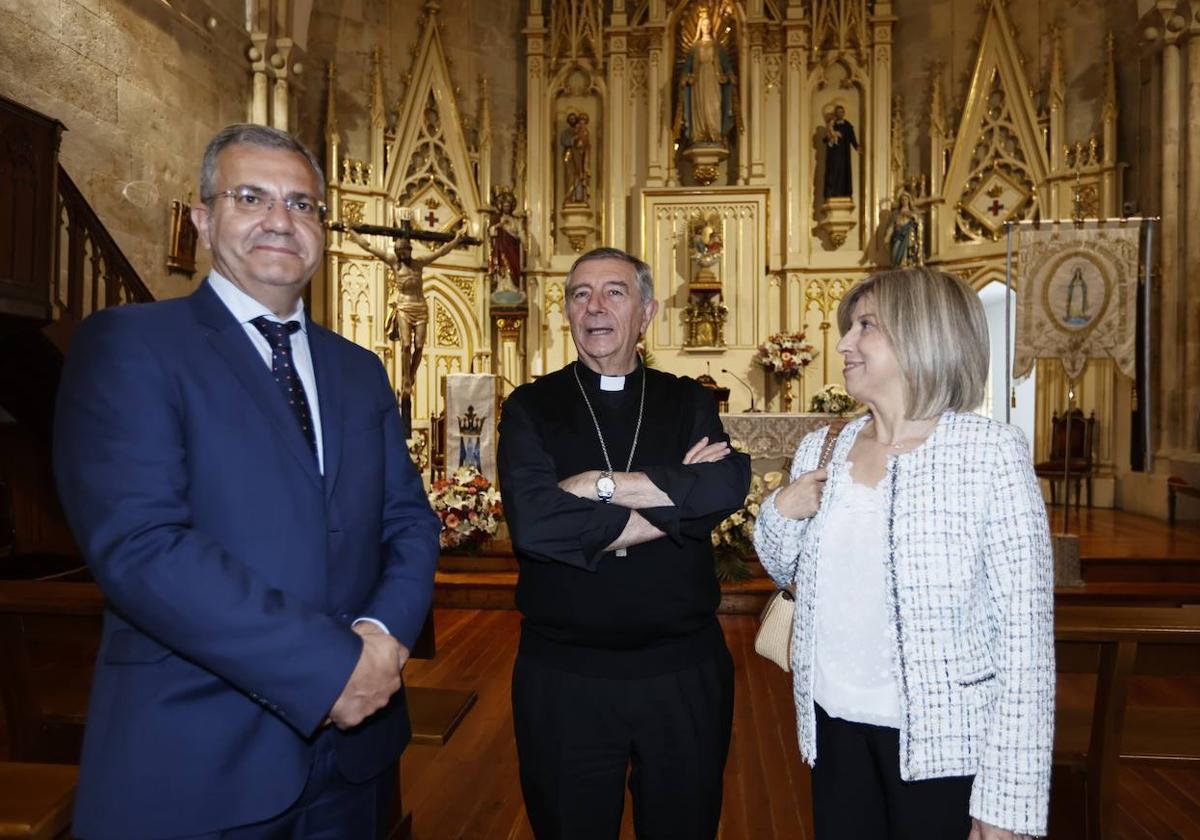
(707, 113)
(838, 153)
(577, 129)
(705, 314)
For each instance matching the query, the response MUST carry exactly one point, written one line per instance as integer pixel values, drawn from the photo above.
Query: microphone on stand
(746, 385)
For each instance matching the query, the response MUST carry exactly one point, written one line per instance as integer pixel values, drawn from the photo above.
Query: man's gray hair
(645, 281)
(247, 134)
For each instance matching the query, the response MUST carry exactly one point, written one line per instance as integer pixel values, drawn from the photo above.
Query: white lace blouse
(854, 675)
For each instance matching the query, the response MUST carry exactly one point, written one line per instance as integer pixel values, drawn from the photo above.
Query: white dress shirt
(246, 309)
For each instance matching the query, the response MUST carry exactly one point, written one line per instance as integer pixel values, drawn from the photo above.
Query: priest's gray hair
(247, 134)
(645, 281)
(938, 330)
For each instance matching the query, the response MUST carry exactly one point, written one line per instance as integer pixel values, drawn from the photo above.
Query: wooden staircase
(58, 264)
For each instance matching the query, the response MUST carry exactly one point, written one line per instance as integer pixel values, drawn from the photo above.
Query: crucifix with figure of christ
(408, 312)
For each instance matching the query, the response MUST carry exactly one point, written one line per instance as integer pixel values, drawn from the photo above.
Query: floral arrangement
(733, 538)
(469, 507)
(785, 354)
(833, 399)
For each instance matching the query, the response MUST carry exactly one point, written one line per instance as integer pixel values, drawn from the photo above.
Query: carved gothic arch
(431, 148)
(998, 151)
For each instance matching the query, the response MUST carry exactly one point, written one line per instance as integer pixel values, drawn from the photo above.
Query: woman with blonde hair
(923, 645)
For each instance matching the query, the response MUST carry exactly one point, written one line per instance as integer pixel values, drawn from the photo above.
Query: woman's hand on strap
(983, 831)
(801, 498)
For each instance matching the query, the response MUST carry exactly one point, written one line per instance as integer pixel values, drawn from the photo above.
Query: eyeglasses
(256, 202)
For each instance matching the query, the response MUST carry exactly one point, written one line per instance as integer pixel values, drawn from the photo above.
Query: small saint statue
(839, 140)
(505, 239)
(905, 234)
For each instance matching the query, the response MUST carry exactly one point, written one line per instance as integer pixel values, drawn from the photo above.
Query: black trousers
(578, 738)
(858, 793)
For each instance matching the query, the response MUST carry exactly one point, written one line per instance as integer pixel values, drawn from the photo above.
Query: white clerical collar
(612, 383)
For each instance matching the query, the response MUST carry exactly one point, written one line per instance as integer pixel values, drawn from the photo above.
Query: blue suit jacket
(231, 566)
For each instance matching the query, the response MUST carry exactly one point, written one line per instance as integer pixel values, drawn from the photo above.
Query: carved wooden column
(540, 178)
(1190, 427)
(756, 125)
(615, 133)
(1058, 119)
(1170, 365)
(510, 354)
(658, 142)
(876, 186)
(937, 157)
(797, 193)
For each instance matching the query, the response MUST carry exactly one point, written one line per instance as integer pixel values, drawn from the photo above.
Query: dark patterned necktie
(283, 368)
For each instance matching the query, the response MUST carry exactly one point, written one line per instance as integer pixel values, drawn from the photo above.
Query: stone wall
(140, 88)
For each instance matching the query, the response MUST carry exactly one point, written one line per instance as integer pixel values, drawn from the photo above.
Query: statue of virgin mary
(706, 109)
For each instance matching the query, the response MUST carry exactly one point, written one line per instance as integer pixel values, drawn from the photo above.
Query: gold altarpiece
(740, 214)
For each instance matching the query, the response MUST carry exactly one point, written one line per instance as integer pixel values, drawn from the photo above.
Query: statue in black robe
(839, 140)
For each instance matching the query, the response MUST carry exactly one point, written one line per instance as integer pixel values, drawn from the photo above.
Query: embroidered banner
(1077, 295)
(471, 423)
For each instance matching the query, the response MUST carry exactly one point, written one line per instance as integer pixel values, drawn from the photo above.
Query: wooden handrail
(97, 273)
(1157, 625)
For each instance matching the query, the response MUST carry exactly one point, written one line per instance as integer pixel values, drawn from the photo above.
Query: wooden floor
(469, 787)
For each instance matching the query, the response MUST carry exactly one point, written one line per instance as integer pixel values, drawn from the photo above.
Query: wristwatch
(605, 486)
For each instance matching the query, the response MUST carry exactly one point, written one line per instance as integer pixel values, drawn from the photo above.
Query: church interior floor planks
(469, 788)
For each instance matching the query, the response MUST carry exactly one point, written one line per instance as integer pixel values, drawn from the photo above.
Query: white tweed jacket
(971, 592)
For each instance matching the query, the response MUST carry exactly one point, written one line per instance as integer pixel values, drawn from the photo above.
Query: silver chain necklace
(636, 430)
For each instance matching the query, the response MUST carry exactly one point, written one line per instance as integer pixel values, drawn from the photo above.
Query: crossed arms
(562, 521)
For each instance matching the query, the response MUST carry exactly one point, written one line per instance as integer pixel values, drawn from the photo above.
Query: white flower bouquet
(469, 507)
(785, 354)
(833, 399)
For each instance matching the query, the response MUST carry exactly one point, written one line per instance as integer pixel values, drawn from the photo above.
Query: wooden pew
(49, 636)
(1116, 643)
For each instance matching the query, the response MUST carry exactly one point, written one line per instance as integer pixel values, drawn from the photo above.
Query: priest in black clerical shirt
(613, 478)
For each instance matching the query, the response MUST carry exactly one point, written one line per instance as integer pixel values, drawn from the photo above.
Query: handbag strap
(835, 429)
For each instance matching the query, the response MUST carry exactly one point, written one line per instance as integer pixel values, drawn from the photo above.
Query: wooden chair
(1116, 643)
(437, 446)
(1078, 456)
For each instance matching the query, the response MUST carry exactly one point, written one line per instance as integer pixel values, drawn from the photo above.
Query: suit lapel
(228, 338)
(329, 385)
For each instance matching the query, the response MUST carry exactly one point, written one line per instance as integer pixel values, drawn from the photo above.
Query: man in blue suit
(238, 481)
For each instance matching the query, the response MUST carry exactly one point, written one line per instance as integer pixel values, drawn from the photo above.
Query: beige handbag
(774, 637)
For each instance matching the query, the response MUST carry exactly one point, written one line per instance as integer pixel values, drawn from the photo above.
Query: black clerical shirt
(586, 609)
